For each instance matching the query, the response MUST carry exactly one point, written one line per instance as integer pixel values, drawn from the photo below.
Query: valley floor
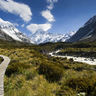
(32, 72)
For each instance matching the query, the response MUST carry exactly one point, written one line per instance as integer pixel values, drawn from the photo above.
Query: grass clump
(51, 72)
(31, 74)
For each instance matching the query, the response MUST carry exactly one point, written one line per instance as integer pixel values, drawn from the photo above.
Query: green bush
(66, 91)
(93, 93)
(82, 84)
(16, 67)
(31, 75)
(51, 72)
(71, 60)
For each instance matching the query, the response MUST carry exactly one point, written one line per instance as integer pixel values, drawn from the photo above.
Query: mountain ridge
(44, 37)
(85, 33)
(10, 33)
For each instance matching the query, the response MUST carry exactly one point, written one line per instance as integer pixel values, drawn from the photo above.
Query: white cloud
(52, 1)
(50, 7)
(20, 9)
(35, 27)
(48, 15)
(51, 4)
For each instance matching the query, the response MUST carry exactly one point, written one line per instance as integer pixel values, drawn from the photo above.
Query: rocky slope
(10, 33)
(86, 33)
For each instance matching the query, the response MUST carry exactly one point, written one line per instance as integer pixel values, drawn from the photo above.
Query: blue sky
(55, 16)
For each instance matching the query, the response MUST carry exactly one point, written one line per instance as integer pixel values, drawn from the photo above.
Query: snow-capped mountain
(43, 37)
(86, 33)
(9, 32)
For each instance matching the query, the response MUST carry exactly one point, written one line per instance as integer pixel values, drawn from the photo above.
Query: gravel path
(3, 67)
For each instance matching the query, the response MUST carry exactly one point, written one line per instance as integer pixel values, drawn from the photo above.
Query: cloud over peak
(47, 15)
(20, 9)
(35, 27)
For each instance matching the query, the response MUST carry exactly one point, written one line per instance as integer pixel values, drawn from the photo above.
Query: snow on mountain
(43, 37)
(9, 29)
(9, 32)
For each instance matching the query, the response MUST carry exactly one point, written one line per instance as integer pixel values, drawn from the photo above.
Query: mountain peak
(8, 29)
(86, 33)
(91, 20)
(44, 37)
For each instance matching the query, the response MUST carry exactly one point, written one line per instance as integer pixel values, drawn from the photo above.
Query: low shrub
(82, 84)
(30, 75)
(71, 60)
(16, 67)
(51, 72)
(66, 91)
(93, 92)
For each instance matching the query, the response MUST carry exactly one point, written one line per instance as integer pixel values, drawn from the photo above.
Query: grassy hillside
(31, 73)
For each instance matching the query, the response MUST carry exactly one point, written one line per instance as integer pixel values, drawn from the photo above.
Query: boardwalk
(3, 67)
